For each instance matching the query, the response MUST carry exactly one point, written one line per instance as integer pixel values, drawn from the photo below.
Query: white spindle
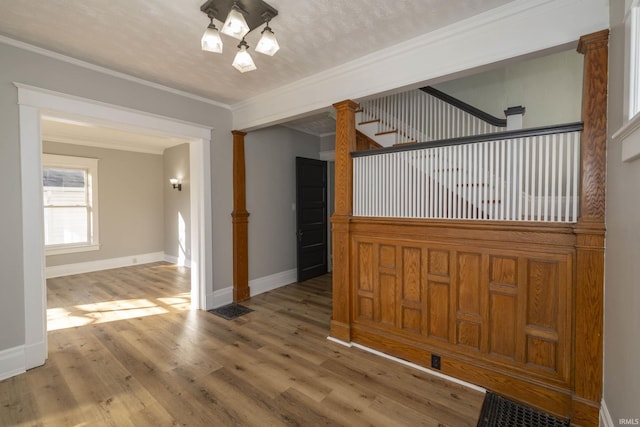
(522, 179)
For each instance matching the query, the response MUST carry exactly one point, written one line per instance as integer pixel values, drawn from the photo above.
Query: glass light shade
(235, 25)
(268, 43)
(211, 41)
(243, 61)
(173, 181)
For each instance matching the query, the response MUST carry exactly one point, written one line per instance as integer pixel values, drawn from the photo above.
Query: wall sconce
(175, 182)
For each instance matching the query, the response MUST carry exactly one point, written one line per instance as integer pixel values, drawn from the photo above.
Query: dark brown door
(311, 202)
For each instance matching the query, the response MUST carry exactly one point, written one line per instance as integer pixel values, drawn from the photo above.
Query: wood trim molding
(590, 234)
(363, 142)
(468, 108)
(240, 218)
(345, 144)
(496, 136)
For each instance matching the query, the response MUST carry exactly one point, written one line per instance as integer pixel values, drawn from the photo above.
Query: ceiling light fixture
(243, 61)
(240, 18)
(268, 43)
(235, 25)
(211, 41)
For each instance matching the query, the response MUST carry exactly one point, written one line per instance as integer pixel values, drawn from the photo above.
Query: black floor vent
(500, 412)
(231, 311)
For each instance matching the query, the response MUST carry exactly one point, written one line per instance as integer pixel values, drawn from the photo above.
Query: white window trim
(629, 134)
(632, 60)
(91, 165)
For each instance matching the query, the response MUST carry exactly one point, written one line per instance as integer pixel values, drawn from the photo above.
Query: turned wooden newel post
(345, 144)
(590, 232)
(240, 218)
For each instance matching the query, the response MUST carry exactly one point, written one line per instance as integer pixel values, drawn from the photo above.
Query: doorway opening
(33, 103)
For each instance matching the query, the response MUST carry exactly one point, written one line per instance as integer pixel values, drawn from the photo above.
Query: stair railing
(427, 115)
(527, 175)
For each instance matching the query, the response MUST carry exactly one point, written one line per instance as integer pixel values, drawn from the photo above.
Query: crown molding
(506, 32)
(70, 60)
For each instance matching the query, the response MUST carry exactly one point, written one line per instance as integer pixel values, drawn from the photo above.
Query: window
(70, 198)
(633, 51)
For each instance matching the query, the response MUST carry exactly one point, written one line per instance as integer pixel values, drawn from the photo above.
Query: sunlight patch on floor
(110, 311)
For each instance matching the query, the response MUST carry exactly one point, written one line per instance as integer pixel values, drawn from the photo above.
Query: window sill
(629, 136)
(70, 249)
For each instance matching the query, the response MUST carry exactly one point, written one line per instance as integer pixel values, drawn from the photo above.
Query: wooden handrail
(512, 134)
(482, 115)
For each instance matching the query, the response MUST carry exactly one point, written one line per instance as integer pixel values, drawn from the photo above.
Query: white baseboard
(337, 341)
(178, 261)
(12, 362)
(219, 298)
(105, 264)
(605, 416)
(256, 287)
(268, 283)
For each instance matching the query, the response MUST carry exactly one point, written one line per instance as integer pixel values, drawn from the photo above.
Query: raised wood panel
(387, 257)
(439, 262)
(387, 299)
(411, 274)
(542, 353)
(365, 266)
(469, 334)
(503, 306)
(542, 294)
(503, 321)
(411, 320)
(438, 310)
(503, 270)
(468, 281)
(365, 307)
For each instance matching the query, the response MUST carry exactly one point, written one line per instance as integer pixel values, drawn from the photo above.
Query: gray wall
(37, 70)
(129, 200)
(271, 192)
(177, 208)
(622, 274)
(549, 87)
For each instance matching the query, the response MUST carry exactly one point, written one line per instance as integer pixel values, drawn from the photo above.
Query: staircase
(467, 164)
(427, 115)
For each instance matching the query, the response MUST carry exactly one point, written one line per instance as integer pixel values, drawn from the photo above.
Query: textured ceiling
(159, 40)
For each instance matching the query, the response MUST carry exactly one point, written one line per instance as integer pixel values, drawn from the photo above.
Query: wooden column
(345, 144)
(590, 233)
(240, 218)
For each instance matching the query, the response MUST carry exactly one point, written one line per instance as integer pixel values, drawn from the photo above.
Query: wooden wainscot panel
(500, 316)
(364, 281)
(503, 307)
(469, 298)
(411, 316)
(440, 301)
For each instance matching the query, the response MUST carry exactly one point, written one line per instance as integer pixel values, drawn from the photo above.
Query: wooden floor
(135, 355)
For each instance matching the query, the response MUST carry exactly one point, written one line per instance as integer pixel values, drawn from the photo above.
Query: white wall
(177, 209)
(19, 65)
(549, 87)
(622, 270)
(270, 156)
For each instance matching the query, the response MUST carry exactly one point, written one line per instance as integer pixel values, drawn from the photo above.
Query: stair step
(387, 132)
(399, 144)
(369, 121)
